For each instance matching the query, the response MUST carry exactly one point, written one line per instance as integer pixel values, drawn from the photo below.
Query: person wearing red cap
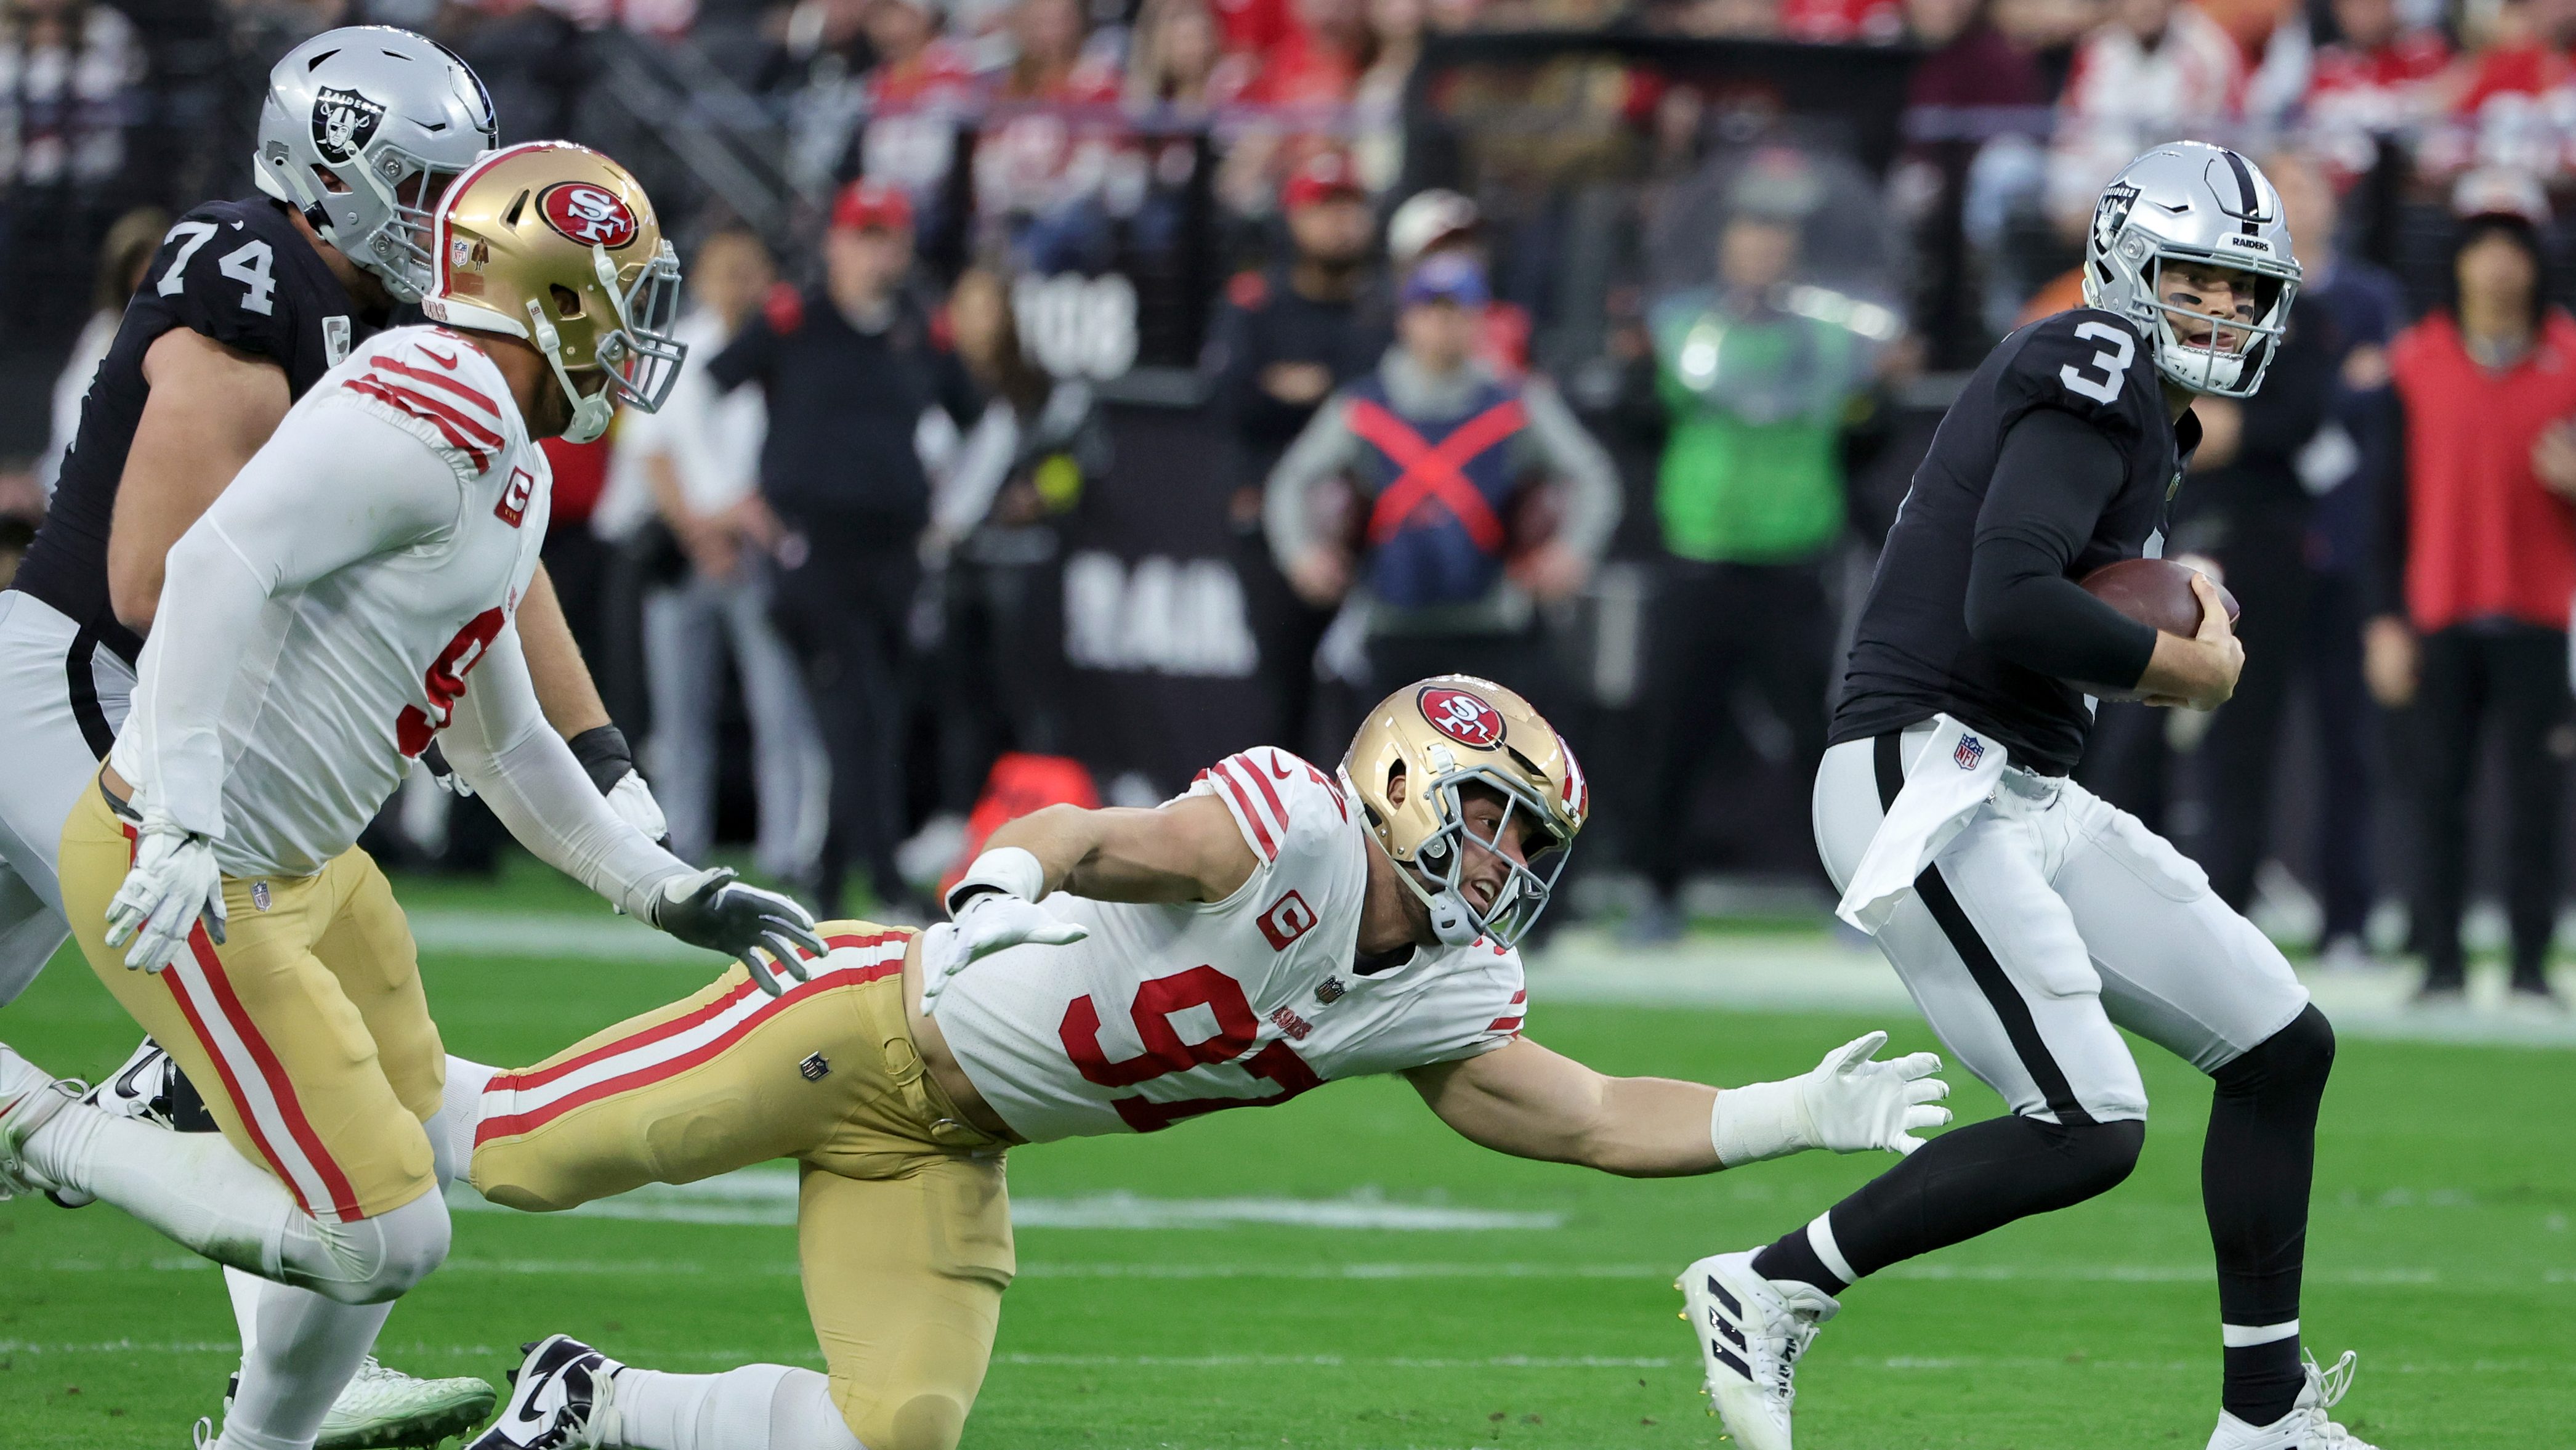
(1284, 339)
(2477, 569)
(848, 369)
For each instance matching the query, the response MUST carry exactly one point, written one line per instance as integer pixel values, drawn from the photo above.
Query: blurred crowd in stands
(1595, 370)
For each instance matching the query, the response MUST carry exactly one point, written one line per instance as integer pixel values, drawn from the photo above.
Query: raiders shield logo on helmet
(2112, 213)
(343, 123)
(587, 214)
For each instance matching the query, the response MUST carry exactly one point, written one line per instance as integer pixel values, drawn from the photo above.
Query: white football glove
(173, 882)
(990, 909)
(633, 802)
(713, 910)
(1847, 1103)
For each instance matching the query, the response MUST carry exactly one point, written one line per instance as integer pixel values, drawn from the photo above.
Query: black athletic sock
(2255, 1172)
(1961, 1184)
(1794, 1257)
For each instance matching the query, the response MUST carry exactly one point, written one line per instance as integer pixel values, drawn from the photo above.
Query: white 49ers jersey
(393, 522)
(1168, 1011)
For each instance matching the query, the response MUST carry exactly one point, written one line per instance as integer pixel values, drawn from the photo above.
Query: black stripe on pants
(1988, 973)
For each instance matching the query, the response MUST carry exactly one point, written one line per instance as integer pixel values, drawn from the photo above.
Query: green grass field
(2440, 1248)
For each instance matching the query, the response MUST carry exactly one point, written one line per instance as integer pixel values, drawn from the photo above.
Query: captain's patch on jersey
(1463, 717)
(512, 509)
(343, 123)
(588, 214)
(1287, 919)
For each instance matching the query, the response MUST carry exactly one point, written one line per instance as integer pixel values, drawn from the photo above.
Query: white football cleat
(1751, 1331)
(2306, 1426)
(385, 1409)
(562, 1397)
(28, 1100)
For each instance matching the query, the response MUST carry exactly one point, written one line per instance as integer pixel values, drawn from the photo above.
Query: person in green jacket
(1757, 376)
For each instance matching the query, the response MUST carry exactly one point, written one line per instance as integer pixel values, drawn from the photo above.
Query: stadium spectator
(1177, 62)
(1448, 461)
(2376, 82)
(1973, 78)
(995, 544)
(68, 73)
(2505, 113)
(2154, 70)
(1396, 30)
(2477, 568)
(2317, 430)
(848, 370)
(1750, 496)
(915, 95)
(700, 458)
(123, 259)
(1048, 143)
(1282, 342)
(1438, 221)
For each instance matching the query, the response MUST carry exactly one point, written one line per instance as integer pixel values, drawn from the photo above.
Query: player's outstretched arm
(500, 742)
(209, 409)
(1527, 1101)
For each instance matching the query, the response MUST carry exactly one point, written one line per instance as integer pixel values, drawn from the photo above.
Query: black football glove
(713, 910)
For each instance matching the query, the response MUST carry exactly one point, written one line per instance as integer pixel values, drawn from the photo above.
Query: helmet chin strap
(590, 413)
(1452, 920)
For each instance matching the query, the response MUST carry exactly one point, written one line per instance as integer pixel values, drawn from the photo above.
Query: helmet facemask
(638, 354)
(2232, 371)
(1439, 869)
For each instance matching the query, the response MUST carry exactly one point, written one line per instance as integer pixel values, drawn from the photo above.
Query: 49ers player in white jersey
(1272, 929)
(345, 601)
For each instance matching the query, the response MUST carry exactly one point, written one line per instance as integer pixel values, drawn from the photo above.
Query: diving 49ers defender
(347, 600)
(1274, 929)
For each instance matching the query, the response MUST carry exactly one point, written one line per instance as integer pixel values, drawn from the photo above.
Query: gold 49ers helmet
(1451, 731)
(557, 245)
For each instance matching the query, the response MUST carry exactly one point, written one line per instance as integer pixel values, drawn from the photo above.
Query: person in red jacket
(2477, 569)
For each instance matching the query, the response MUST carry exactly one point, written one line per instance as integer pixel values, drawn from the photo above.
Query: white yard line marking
(768, 1196)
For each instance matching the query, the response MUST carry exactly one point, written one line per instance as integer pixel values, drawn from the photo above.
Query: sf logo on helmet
(588, 214)
(343, 123)
(1463, 718)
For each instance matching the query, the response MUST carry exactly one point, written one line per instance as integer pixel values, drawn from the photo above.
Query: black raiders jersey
(1912, 656)
(237, 271)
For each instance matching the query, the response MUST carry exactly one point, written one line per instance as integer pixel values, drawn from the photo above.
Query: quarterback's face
(2205, 299)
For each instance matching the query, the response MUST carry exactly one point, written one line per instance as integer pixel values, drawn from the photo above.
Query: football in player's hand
(2156, 593)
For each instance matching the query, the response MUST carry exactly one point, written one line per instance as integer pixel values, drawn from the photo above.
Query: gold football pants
(306, 1030)
(903, 1225)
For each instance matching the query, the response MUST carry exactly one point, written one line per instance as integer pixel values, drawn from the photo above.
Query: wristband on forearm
(1010, 870)
(1757, 1121)
(604, 755)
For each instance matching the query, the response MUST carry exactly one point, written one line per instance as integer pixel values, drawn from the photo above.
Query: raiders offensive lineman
(246, 305)
(1341, 925)
(2026, 916)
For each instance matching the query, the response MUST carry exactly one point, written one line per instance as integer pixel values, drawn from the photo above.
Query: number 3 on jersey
(2113, 361)
(1157, 1002)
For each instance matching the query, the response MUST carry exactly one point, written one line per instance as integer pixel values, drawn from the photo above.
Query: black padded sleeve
(2052, 480)
(214, 275)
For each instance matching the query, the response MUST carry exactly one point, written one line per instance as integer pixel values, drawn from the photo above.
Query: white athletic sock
(191, 1186)
(756, 1407)
(451, 1128)
(308, 1347)
(197, 1190)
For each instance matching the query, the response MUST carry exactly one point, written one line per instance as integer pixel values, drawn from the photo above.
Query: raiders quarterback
(1275, 928)
(345, 601)
(2029, 919)
(247, 305)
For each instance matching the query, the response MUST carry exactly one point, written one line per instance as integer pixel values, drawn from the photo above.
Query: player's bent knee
(377, 1259)
(926, 1421)
(2300, 1055)
(2100, 1156)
